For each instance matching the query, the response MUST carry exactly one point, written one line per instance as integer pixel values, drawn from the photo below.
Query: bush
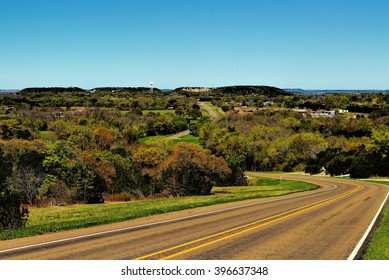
(313, 169)
(362, 166)
(117, 197)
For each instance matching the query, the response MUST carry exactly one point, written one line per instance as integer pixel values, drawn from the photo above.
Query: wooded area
(61, 146)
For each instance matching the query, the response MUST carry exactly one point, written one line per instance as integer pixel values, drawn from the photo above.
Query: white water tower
(151, 87)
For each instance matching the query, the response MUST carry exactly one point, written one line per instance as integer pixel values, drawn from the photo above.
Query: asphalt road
(323, 224)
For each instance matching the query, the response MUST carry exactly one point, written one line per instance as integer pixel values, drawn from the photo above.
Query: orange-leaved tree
(189, 170)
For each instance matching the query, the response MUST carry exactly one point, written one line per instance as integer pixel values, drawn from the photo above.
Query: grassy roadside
(53, 219)
(378, 247)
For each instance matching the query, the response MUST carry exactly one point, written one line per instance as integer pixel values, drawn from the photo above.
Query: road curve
(322, 224)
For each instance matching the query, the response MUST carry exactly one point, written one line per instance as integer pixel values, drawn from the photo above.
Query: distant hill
(192, 89)
(332, 91)
(130, 89)
(51, 89)
(246, 90)
(7, 91)
(239, 90)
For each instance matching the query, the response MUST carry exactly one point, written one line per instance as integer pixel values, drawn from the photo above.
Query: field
(53, 219)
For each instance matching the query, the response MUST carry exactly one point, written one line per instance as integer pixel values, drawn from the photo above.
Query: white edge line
(360, 243)
(158, 223)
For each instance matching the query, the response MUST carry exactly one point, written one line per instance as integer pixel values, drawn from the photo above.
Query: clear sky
(311, 44)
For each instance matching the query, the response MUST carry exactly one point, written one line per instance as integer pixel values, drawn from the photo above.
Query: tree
(5, 166)
(60, 128)
(380, 136)
(191, 171)
(340, 164)
(77, 170)
(81, 137)
(362, 166)
(16, 150)
(104, 137)
(26, 183)
(12, 214)
(149, 156)
(103, 169)
(130, 178)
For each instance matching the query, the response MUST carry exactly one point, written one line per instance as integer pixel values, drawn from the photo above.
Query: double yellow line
(242, 229)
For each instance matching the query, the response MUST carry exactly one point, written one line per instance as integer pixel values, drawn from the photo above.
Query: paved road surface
(321, 224)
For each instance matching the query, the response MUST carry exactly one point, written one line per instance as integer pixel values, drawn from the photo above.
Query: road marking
(360, 243)
(161, 222)
(254, 225)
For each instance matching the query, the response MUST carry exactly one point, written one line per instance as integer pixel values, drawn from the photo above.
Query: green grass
(162, 112)
(258, 173)
(52, 219)
(204, 112)
(187, 139)
(45, 133)
(163, 138)
(266, 182)
(153, 139)
(378, 248)
(47, 136)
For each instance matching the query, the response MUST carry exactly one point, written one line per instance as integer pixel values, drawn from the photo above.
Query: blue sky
(309, 44)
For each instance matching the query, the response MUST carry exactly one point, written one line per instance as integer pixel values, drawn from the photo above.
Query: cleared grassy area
(163, 138)
(153, 139)
(48, 136)
(52, 219)
(45, 133)
(187, 139)
(378, 248)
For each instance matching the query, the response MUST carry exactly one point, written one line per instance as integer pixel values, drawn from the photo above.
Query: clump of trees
(191, 171)
(287, 141)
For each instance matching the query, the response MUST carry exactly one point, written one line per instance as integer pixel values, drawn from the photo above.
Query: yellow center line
(273, 219)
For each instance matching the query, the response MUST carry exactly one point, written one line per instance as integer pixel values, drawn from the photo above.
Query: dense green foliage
(12, 215)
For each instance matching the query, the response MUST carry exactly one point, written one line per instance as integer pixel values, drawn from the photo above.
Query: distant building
(323, 114)
(329, 113)
(268, 103)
